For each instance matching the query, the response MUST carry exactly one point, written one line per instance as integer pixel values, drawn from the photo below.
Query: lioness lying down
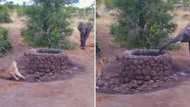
(11, 72)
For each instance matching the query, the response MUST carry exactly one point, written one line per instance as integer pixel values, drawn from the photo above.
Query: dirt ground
(75, 92)
(173, 97)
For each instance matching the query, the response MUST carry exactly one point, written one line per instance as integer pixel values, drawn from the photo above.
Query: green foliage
(21, 10)
(86, 13)
(185, 3)
(143, 23)
(48, 24)
(108, 3)
(5, 45)
(67, 44)
(4, 16)
(98, 3)
(10, 5)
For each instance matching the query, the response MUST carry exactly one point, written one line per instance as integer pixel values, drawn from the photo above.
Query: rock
(142, 72)
(43, 67)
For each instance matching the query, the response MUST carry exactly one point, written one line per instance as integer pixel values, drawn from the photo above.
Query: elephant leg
(86, 37)
(82, 41)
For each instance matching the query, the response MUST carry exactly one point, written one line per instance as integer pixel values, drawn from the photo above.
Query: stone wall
(146, 67)
(45, 65)
(136, 70)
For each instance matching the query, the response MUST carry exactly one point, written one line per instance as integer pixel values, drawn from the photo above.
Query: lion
(11, 72)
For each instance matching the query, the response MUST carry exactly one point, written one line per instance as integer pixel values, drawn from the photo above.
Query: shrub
(67, 44)
(143, 23)
(4, 15)
(5, 45)
(48, 24)
(20, 10)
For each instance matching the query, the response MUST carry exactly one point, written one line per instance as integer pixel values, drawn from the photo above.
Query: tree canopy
(143, 23)
(49, 22)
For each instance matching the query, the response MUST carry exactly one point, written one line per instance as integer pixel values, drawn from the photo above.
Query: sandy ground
(178, 96)
(75, 92)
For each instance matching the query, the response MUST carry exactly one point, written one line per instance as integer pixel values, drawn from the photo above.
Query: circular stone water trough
(136, 71)
(42, 65)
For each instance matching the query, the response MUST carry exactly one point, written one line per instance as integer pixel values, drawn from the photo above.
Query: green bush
(48, 24)
(67, 44)
(21, 9)
(35, 40)
(5, 45)
(4, 16)
(143, 23)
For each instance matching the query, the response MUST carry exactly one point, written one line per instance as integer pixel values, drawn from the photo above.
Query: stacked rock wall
(136, 70)
(44, 65)
(146, 67)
